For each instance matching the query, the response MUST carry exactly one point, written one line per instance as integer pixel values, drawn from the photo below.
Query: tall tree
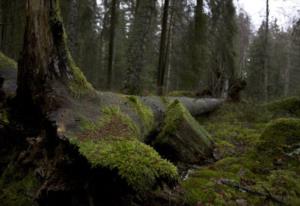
(139, 35)
(111, 54)
(223, 28)
(266, 57)
(163, 49)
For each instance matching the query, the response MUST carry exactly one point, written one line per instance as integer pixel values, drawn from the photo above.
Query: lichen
(6, 62)
(144, 112)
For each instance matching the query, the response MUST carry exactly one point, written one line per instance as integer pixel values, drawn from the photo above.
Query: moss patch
(246, 173)
(176, 113)
(285, 107)
(282, 136)
(6, 62)
(144, 112)
(182, 139)
(138, 164)
(112, 143)
(112, 124)
(77, 82)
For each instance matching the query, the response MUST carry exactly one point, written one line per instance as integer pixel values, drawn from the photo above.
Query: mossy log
(75, 124)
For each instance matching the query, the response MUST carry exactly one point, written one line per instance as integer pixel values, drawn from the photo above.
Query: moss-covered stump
(113, 143)
(182, 139)
(281, 140)
(8, 72)
(286, 107)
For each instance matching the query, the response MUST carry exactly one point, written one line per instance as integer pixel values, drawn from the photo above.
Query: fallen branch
(267, 194)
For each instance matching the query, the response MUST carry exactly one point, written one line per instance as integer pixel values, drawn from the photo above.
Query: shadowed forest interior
(149, 103)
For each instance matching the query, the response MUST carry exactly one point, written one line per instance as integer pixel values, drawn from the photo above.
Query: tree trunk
(46, 61)
(140, 32)
(163, 49)
(266, 54)
(111, 55)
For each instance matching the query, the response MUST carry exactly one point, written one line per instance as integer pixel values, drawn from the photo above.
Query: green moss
(285, 107)
(281, 136)
(181, 93)
(144, 112)
(112, 124)
(252, 163)
(78, 83)
(6, 62)
(113, 143)
(17, 188)
(175, 114)
(138, 164)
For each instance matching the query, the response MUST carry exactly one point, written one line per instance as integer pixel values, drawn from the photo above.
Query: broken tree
(87, 142)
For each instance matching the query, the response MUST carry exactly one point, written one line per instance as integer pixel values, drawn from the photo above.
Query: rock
(281, 137)
(286, 107)
(181, 138)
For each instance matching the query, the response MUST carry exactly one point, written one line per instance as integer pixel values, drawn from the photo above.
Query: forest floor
(252, 167)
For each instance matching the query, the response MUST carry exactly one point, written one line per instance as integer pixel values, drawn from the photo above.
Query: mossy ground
(286, 107)
(113, 143)
(244, 174)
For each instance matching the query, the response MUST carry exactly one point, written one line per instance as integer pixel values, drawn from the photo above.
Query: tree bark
(266, 54)
(139, 35)
(46, 61)
(113, 19)
(163, 49)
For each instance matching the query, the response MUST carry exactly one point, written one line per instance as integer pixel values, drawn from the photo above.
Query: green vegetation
(258, 161)
(175, 115)
(17, 188)
(181, 93)
(6, 62)
(113, 143)
(182, 139)
(144, 112)
(78, 83)
(138, 164)
(282, 136)
(285, 107)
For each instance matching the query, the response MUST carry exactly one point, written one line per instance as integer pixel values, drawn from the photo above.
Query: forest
(149, 103)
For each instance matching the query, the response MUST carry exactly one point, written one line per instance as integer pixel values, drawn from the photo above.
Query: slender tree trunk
(163, 49)
(266, 53)
(287, 69)
(113, 19)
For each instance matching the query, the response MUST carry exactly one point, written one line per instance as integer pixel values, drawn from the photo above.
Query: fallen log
(83, 136)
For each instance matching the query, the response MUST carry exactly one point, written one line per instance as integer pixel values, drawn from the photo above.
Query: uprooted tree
(89, 147)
